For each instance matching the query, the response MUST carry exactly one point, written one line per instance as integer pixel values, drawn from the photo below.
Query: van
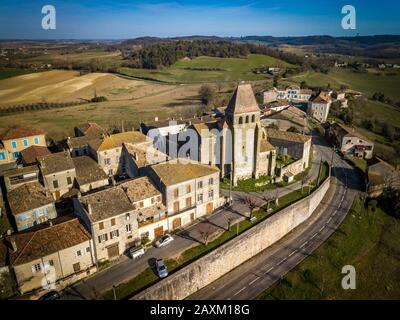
(137, 252)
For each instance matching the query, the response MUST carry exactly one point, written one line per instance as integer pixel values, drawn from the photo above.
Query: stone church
(237, 142)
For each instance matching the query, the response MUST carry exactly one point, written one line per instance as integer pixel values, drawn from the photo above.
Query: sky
(122, 19)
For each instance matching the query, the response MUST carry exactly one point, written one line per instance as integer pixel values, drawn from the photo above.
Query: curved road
(259, 273)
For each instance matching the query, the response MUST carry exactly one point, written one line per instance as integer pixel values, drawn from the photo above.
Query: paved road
(253, 277)
(126, 269)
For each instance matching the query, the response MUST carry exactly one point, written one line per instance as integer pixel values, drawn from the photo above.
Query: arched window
(247, 119)
(240, 120)
(253, 118)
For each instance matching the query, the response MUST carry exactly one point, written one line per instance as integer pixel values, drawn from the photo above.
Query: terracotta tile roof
(345, 131)
(150, 211)
(79, 142)
(178, 171)
(20, 132)
(139, 189)
(106, 203)
(27, 197)
(87, 170)
(91, 129)
(284, 135)
(145, 155)
(30, 154)
(322, 97)
(45, 240)
(293, 87)
(55, 162)
(242, 100)
(21, 171)
(383, 172)
(116, 140)
(266, 146)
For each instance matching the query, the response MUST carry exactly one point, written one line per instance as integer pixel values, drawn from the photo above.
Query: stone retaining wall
(220, 261)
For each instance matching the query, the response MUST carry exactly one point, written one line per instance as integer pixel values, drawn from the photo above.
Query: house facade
(16, 139)
(190, 190)
(349, 141)
(58, 172)
(319, 106)
(50, 257)
(31, 204)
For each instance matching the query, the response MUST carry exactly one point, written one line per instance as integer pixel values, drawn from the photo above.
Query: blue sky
(120, 19)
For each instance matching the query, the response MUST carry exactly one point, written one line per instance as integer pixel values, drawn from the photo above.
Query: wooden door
(57, 194)
(192, 217)
(210, 208)
(176, 223)
(158, 232)
(113, 251)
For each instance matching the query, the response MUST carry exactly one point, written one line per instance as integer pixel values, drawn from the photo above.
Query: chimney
(13, 245)
(156, 119)
(89, 208)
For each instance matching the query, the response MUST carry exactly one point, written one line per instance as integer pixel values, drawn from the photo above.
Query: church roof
(243, 100)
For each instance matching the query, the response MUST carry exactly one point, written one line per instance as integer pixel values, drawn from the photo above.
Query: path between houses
(126, 268)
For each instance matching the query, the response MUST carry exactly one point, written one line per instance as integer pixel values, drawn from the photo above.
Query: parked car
(51, 295)
(137, 252)
(164, 240)
(161, 268)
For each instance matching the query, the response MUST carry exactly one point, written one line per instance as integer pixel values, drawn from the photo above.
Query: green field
(229, 69)
(369, 240)
(6, 73)
(368, 83)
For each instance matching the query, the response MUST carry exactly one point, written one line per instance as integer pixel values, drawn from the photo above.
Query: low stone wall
(293, 168)
(220, 261)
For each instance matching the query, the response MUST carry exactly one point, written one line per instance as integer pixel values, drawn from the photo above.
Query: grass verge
(369, 240)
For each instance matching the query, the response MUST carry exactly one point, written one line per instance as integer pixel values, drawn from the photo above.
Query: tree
(251, 204)
(205, 233)
(368, 124)
(390, 201)
(387, 131)
(276, 82)
(273, 125)
(303, 85)
(207, 94)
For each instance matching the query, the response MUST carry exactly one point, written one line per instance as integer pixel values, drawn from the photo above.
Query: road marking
(270, 269)
(304, 244)
(329, 220)
(254, 281)
(315, 234)
(322, 228)
(293, 252)
(239, 291)
(282, 261)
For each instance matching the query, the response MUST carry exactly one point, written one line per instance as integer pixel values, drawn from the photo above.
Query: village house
(29, 155)
(190, 190)
(56, 254)
(137, 158)
(319, 105)
(58, 172)
(121, 216)
(349, 141)
(297, 146)
(151, 213)
(288, 118)
(109, 151)
(382, 175)
(16, 139)
(111, 219)
(89, 129)
(31, 204)
(13, 178)
(89, 175)
(292, 93)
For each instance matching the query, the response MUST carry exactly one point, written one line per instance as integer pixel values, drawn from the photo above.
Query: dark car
(52, 295)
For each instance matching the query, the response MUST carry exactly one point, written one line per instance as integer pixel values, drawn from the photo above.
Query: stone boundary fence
(225, 258)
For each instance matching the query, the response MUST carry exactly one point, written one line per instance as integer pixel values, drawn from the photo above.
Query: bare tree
(229, 221)
(268, 198)
(251, 204)
(205, 232)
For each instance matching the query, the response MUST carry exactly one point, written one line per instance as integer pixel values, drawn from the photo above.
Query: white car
(164, 240)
